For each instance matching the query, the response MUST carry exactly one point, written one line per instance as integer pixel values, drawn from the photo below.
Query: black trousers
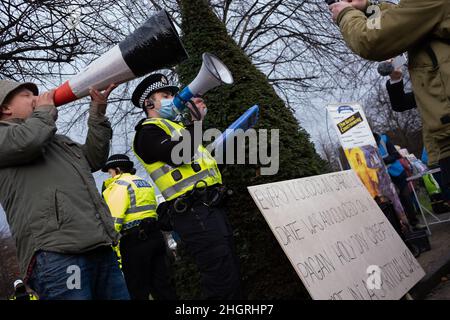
(207, 236)
(405, 196)
(144, 263)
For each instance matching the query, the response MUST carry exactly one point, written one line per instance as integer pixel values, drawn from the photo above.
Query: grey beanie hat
(8, 86)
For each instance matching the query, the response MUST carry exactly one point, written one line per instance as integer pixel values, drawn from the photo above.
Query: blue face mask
(167, 110)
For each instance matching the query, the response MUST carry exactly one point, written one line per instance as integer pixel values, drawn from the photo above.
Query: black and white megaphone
(154, 45)
(213, 73)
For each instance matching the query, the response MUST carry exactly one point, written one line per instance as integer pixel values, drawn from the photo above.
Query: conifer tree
(266, 271)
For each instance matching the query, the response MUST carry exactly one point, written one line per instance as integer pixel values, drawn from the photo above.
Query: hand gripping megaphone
(213, 73)
(154, 45)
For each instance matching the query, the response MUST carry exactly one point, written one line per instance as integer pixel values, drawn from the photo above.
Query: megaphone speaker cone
(154, 45)
(217, 68)
(213, 73)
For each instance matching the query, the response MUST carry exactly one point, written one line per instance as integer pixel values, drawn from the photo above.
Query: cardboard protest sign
(336, 237)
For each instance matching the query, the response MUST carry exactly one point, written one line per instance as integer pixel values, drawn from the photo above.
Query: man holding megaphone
(193, 190)
(62, 227)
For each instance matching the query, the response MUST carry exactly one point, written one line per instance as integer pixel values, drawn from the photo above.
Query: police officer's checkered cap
(118, 161)
(153, 83)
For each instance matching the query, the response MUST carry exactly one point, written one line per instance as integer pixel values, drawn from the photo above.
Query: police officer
(193, 190)
(21, 293)
(132, 203)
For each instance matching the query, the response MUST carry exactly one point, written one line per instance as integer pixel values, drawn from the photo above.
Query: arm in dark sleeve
(400, 100)
(393, 153)
(153, 144)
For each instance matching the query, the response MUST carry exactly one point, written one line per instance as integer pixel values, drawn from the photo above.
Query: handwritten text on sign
(336, 237)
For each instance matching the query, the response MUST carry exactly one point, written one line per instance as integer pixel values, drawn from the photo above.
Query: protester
(62, 227)
(402, 101)
(398, 175)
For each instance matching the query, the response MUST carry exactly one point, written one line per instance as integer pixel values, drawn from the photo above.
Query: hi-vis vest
(176, 181)
(28, 296)
(130, 199)
(395, 169)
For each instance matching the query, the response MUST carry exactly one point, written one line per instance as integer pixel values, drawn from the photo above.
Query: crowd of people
(59, 219)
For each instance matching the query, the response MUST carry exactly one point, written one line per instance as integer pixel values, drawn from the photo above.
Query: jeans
(93, 275)
(406, 198)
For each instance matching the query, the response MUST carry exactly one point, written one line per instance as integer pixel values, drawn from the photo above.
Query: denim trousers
(92, 275)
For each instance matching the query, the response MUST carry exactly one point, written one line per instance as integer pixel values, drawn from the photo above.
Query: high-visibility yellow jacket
(130, 199)
(176, 181)
(29, 296)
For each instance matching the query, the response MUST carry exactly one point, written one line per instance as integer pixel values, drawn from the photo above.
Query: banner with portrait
(362, 152)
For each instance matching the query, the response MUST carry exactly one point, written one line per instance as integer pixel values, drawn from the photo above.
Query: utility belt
(143, 228)
(209, 196)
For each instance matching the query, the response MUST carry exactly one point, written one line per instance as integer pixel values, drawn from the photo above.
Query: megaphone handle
(182, 97)
(196, 113)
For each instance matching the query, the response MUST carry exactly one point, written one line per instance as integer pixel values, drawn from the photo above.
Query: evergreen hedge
(266, 271)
